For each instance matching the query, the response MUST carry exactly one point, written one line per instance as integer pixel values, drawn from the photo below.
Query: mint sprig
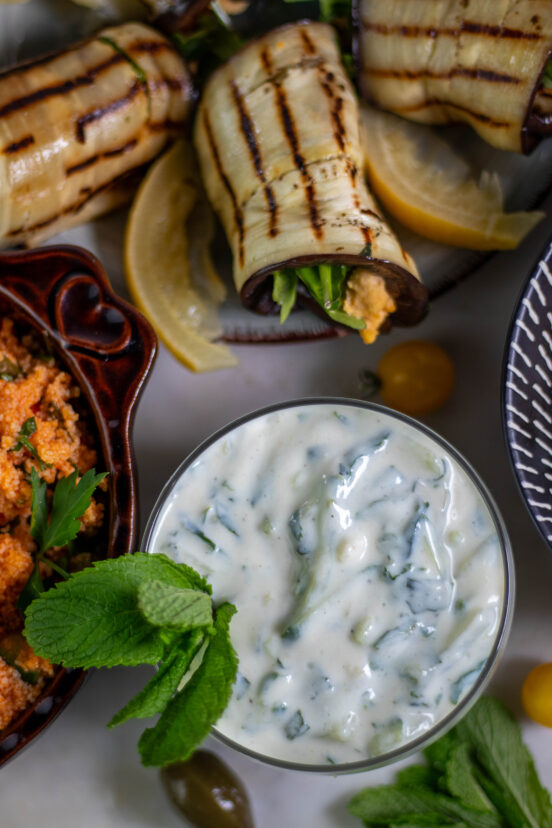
(479, 775)
(157, 693)
(188, 717)
(144, 609)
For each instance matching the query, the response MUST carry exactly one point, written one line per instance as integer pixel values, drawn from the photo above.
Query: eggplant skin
(277, 133)
(446, 61)
(78, 126)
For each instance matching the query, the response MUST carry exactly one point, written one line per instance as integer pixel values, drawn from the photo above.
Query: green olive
(207, 792)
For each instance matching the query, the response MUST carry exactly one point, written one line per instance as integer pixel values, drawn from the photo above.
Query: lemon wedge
(425, 185)
(169, 271)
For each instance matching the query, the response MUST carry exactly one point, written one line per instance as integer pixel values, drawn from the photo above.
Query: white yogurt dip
(366, 569)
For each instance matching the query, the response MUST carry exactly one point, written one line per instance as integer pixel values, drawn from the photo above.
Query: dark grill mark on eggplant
(46, 92)
(19, 145)
(167, 124)
(466, 26)
(87, 79)
(290, 131)
(353, 173)
(89, 162)
(77, 206)
(457, 71)
(238, 215)
(310, 48)
(175, 84)
(248, 130)
(336, 111)
(97, 114)
(478, 116)
(151, 47)
(498, 31)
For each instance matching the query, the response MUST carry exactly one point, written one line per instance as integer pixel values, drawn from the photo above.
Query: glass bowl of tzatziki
(371, 572)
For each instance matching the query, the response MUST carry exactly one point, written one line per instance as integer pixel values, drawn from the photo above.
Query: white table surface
(78, 774)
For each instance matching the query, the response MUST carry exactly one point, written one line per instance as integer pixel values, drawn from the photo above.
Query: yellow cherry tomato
(417, 377)
(536, 694)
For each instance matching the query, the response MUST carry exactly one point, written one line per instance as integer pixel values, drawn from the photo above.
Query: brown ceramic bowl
(64, 294)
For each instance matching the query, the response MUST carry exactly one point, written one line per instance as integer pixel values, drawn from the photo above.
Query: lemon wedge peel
(426, 186)
(163, 258)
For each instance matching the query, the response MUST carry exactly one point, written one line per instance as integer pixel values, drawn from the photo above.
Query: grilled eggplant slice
(278, 138)
(75, 127)
(445, 61)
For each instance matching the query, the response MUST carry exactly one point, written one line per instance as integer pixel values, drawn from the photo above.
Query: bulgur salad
(40, 429)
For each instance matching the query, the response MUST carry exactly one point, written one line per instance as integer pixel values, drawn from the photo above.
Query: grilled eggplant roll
(278, 138)
(76, 125)
(445, 61)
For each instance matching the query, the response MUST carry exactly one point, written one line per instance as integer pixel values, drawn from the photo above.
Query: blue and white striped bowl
(527, 395)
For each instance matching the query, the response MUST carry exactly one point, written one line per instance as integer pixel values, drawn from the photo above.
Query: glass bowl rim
(505, 622)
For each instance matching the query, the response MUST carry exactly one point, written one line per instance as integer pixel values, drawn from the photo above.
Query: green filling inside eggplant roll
(325, 283)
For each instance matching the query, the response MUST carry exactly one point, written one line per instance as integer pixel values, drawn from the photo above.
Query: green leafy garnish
(9, 370)
(58, 526)
(284, 292)
(22, 441)
(325, 283)
(165, 605)
(31, 590)
(70, 502)
(209, 45)
(140, 74)
(331, 10)
(188, 717)
(479, 775)
(160, 689)
(144, 609)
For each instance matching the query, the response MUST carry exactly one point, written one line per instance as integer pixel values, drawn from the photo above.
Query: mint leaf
(144, 609)
(183, 575)
(392, 804)
(188, 717)
(418, 775)
(486, 772)
(439, 752)
(496, 742)
(165, 605)
(70, 502)
(163, 685)
(93, 618)
(461, 782)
